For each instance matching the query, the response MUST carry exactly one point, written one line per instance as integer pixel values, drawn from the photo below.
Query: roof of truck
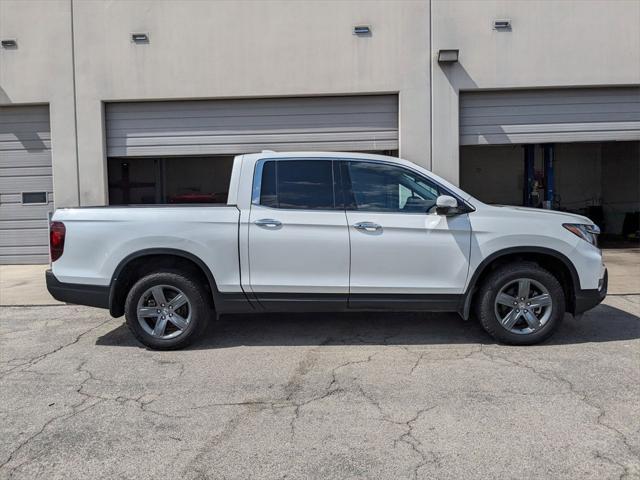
(317, 154)
(301, 155)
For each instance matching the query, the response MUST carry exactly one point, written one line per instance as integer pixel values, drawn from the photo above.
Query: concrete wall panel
(40, 71)
(222, 49)
(565, 43)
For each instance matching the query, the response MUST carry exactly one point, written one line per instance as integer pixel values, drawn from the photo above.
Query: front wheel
(521, 304)
(167, 311)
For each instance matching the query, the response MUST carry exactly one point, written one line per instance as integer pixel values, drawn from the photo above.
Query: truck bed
(99, 238)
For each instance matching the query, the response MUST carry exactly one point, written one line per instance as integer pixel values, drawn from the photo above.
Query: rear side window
(298, 184)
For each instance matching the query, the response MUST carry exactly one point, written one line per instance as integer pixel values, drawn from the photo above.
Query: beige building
(115, 102)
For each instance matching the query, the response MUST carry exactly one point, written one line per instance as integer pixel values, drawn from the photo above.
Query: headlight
(586, 232)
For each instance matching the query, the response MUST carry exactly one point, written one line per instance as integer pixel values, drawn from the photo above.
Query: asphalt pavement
(379, 396)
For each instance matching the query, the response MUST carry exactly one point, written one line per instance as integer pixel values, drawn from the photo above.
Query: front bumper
(90, 295)
(587, 299)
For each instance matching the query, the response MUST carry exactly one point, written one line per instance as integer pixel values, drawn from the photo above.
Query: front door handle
(268, 222)
(368, 226)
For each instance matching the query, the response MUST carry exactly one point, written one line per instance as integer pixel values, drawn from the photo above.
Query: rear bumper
(587, 299)
(90, 295)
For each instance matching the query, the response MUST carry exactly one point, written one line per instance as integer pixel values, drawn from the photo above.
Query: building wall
(253, 48)
(551, 44)
(40, 71)
(222, 49)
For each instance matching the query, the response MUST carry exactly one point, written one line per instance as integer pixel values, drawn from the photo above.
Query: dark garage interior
(600, 180)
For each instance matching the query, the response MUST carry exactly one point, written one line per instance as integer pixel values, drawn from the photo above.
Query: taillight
(56, 240)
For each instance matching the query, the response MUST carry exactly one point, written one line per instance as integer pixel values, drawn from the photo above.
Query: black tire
(198, 308)
(502, 277)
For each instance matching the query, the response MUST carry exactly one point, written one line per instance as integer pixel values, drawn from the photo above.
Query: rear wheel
(521, 304)
(167, 311)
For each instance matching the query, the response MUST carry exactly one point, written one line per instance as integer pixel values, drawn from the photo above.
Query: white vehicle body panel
(411, 253)
(500, 228)
(308, 253)
(98, 239)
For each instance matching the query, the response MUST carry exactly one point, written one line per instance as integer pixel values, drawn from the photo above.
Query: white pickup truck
(327, 232)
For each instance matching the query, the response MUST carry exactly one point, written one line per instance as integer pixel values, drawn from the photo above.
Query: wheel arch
(123, 276)
(557, 263)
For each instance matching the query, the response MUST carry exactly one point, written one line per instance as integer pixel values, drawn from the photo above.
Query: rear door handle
(268, 222)
(367, 226)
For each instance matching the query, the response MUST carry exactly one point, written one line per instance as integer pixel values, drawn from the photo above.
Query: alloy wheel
(523, 306)
(164, 311)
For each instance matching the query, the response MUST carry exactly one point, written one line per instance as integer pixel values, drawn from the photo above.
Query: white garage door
(550, 115)
(219, 127)
(26, 188)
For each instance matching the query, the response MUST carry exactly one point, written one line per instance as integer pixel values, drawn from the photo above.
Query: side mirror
(446, 205)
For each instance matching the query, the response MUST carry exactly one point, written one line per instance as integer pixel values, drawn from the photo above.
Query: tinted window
(169, 180)
(268, 191)
(297, 184)
(378, 187)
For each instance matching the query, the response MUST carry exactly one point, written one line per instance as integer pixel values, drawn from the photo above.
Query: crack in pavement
(77, 408)
(292, 388)
(163, 362)
(417, 362)
(583, 396)
(122, 399)
(328, 391)
(414, 443)
(408, 437)
(38, 358)
(23, 444)
(227, 431)
(421, 356)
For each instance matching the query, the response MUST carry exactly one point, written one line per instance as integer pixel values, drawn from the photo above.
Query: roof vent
(503, 24)
(140, 37)
(362, 30)
(9, 43)
(448, 55)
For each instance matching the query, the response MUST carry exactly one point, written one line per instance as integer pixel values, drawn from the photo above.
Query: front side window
(298, 184)
(378, 187)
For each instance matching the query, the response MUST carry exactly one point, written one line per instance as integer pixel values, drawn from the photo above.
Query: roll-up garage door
(218, 127)
(26, 188)
(550, 115)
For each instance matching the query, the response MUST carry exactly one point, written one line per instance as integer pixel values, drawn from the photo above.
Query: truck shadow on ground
(604, 324)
